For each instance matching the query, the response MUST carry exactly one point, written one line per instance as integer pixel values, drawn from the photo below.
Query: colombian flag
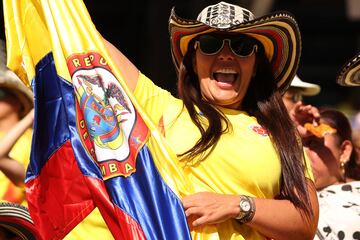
(93, 146)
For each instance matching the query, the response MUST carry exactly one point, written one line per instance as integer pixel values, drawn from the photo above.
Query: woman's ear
(346, 150)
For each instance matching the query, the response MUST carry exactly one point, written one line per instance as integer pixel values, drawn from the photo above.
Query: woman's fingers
(210, 208)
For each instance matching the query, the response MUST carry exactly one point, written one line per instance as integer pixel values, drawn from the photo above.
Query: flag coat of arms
(93, 146)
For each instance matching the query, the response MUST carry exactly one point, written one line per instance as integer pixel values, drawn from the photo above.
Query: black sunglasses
(240, 45)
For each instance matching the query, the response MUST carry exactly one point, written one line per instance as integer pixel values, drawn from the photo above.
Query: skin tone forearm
(128, 70)
(277, 219)
(14, 170)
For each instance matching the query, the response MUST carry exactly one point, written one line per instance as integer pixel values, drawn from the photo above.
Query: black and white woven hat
(16, 220)
(349, 74)
(278, 32)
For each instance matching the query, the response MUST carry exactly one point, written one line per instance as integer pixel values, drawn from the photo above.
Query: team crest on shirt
(109, 125)
(259, 130)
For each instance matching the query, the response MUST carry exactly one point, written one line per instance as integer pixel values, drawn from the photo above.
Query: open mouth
(226, 76)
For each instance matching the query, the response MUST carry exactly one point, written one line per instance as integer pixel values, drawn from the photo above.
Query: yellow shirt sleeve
(308, 170)
(153, 99)
(20, 153)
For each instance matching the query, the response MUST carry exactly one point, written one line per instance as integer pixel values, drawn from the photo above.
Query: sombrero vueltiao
(16, 219)
(278, 32)
(350, 73)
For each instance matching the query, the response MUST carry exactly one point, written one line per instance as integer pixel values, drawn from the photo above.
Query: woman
(16, 119)
(228, 125)
(337, 176)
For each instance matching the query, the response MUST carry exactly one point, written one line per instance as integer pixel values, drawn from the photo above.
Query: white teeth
(226, 70)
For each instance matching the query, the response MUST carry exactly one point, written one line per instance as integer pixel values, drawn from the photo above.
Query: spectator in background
(16, 119)
(337, 174)
(297, 90)
(299, 112)
(356, 130)
(15, 135)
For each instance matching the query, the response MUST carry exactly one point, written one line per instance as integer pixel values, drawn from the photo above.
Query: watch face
(245, 205)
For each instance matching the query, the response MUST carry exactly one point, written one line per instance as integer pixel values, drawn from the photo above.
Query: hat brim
(307, 89)
(311, 90)
(349, 74)
(10, 81)
(16, 219)
(278, 32)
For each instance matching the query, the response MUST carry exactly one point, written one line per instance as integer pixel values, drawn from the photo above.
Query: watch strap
(246, 216)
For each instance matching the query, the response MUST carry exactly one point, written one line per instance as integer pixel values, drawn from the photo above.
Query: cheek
(318, 163)
(314, 158)
(331, 144)
(202, 69)
(6, 107)
(247, 65)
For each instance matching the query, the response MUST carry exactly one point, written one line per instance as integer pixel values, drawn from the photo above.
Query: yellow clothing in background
(21, 153)
(92, 227)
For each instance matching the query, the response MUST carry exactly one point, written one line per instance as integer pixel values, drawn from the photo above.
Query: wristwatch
(247, 209)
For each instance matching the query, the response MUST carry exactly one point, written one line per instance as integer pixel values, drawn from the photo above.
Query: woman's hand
(301, 114)
(209, 208)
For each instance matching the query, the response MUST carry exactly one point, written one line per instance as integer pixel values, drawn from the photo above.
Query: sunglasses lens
(242, 45)
(210, 44)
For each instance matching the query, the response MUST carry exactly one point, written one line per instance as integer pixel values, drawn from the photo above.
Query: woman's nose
(226, 52)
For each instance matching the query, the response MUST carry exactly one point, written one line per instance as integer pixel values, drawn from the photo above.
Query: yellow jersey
(244, 161)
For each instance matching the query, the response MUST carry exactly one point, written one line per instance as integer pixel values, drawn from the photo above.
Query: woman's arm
(276, 219)
(127, 69)
(279, 219)
(14, 170)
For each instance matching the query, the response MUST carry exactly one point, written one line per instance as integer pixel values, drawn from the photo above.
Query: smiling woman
(229, 126)
(227, 66)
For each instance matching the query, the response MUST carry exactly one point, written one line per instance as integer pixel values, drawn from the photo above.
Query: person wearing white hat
(297, 90)
(250, 179)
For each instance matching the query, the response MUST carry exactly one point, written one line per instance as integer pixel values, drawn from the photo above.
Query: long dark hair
(263, 101)
(340, 122)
